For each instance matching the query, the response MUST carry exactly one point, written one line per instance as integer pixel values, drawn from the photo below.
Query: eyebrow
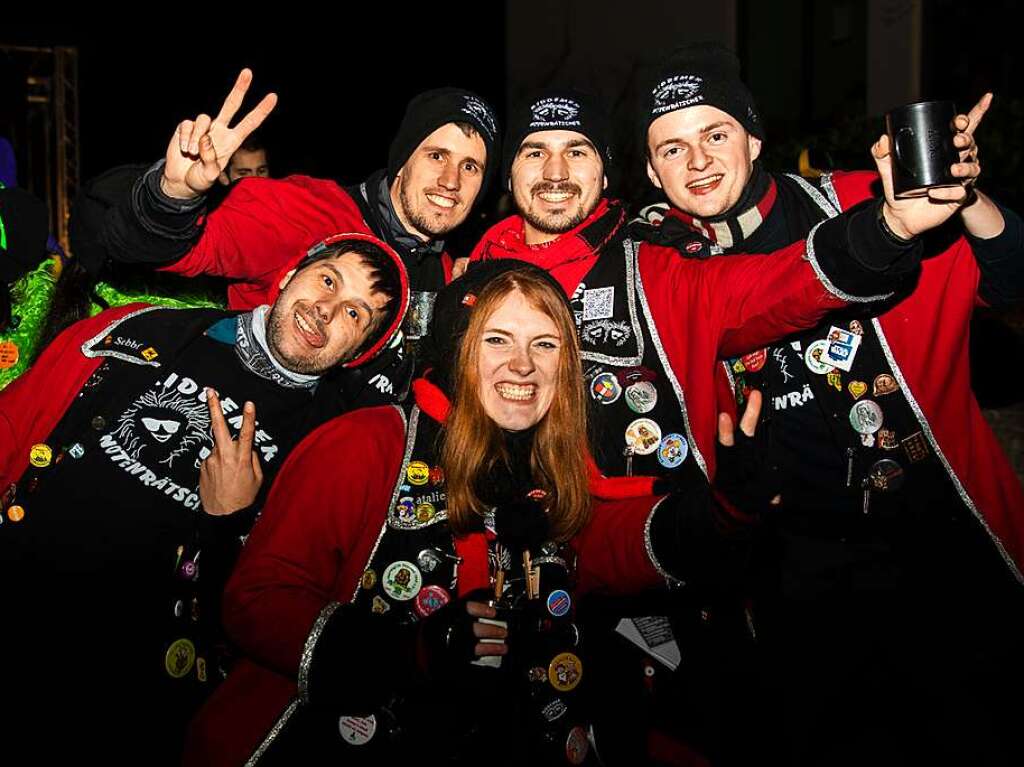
(706, 129)
(447, 153)
(509, 333)
(358, 301)
(569, 145)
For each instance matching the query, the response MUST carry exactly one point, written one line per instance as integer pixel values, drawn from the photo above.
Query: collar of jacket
(373, 197)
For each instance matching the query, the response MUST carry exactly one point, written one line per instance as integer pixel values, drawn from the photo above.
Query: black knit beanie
(429, 111)
(558, 109)
(696, 74)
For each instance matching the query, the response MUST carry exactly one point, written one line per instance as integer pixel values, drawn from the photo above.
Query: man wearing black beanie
(899, 515)
(652, 325)
(439, 164)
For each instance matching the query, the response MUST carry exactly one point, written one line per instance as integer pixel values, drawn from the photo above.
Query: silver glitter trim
(410, 428)
(827, 208)
(393, 521)
(310, 647)
(830, 191)
(108, 330)
(630, 255)
(729, 375)
(827, 283)
(272, 735)
(927, 429)
(670, 373)
(670, 579)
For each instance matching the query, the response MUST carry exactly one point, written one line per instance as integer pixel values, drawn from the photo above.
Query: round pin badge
(98, 422)
(357, 730)
(559, 603)
(577, 745)
(605, 388)
(641, 396)
(418, 472)
(16, 513)
(644, 436)
(401, 580)
(755, 360)
(425, 512)
(673, 450)
(428, 560)
(813, 355)
(40, 455)
(430, 599)
(886, 476)
(8, 354)
(866, 417)
(565, 671)
(369, 579)
(179, 658)
(437, 475)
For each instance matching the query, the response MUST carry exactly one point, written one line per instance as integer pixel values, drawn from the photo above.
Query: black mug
(921, 142)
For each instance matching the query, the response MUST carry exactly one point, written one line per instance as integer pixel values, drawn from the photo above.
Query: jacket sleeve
(325, 511)
(34, 403)
(757, 300)
(261, 227)
(1000, 260)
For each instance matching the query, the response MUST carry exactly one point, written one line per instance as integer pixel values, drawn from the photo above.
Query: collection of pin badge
(637, 387)
(834, 356)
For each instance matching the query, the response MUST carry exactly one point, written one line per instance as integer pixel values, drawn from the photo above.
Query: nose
(325, 310)
(556, 168)
(521, 362)
(449, 178)
(698, 160)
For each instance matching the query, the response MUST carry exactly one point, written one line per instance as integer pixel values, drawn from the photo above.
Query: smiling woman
(401, 547)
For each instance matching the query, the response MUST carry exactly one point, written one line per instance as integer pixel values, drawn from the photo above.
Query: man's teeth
(705, 182)
(303, 325)
(554, 196)
(444, 202)
(515, 391)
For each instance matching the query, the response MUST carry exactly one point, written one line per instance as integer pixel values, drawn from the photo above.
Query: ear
(754, 145)
(652, 175)
(605, 185)
(223, 178)
(285, 280)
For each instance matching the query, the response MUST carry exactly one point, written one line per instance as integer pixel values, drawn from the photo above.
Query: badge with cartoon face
(401, 580)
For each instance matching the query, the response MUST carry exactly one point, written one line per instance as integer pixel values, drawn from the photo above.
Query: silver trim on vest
(730, 376)
(630, 256)
(827, 283)
(392, 520)
(830, 190)
(108, 330)
(927, 429)
(310, 647)
(670, 579)
(827, 208)
(669, 372)
(282, 720)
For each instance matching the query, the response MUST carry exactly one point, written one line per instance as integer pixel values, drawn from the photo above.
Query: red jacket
(264, 228)
(925, 337)
(32, 406)
(702, 310)
(310, 548)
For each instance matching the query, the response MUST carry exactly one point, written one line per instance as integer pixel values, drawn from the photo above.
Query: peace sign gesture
(200, 149)
(230, 477)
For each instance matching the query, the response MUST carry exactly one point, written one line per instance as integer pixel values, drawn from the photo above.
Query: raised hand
(744, 474)
(911, 216)
(230, 477)
(200, 149)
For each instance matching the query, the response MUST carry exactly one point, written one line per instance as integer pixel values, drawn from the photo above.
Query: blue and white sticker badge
(842, 348)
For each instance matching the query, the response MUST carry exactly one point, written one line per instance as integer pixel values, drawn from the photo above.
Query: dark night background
(823, 73)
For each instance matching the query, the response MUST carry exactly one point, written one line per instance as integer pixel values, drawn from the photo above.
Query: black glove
(746, 478)
(446, 641)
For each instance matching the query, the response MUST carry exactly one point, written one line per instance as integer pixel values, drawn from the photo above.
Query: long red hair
(473, 443)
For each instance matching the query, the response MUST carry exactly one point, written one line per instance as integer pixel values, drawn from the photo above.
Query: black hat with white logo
(429, 111)
(558, 109)
(694, 75)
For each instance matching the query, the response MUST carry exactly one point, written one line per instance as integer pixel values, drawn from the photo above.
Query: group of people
(391, 504)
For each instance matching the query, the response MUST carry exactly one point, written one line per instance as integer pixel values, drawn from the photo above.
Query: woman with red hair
(409, 590)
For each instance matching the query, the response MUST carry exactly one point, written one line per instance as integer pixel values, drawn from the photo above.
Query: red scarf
(567, 258)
